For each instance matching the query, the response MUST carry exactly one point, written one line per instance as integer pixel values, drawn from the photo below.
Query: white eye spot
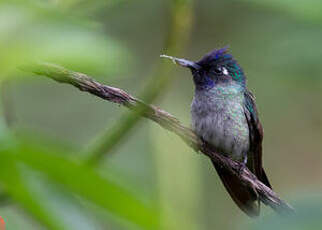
(225, 71)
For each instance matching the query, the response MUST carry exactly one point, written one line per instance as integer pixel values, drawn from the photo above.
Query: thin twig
(165, 120)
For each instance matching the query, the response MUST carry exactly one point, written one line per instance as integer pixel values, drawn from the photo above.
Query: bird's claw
(242, 165)
(241, 168)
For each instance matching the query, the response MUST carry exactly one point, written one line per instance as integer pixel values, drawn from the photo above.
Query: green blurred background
(149, 178)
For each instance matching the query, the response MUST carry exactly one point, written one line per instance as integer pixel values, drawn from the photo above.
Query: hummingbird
(224, 115)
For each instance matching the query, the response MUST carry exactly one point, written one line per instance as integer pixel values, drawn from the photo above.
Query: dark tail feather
(245, 198)
(264, 179)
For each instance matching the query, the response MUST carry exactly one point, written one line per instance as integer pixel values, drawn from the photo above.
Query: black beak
(183, 62)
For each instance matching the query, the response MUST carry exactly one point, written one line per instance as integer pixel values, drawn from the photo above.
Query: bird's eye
(218, 70)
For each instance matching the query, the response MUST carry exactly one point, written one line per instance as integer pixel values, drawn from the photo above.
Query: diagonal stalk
(177, 36)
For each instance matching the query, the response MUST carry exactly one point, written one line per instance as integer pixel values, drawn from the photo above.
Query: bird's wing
(254, 162)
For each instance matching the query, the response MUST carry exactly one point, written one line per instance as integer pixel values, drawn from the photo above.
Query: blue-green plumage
(224, 115)
(218, 117)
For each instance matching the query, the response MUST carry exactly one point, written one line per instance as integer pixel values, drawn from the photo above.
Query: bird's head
(216, 67)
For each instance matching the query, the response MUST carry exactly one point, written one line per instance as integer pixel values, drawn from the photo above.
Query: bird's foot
(203, 144)
(242, 165)
(241, 168)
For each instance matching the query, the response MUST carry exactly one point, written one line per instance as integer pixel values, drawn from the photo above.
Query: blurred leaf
(66, 207)
(12, 179)
(307, 10)
(79, 179)
(31, 33)
(86, 6)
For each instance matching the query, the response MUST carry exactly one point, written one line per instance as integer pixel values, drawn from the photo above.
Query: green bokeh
(152, 175)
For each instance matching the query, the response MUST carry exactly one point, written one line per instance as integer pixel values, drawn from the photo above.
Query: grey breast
(218, 117)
